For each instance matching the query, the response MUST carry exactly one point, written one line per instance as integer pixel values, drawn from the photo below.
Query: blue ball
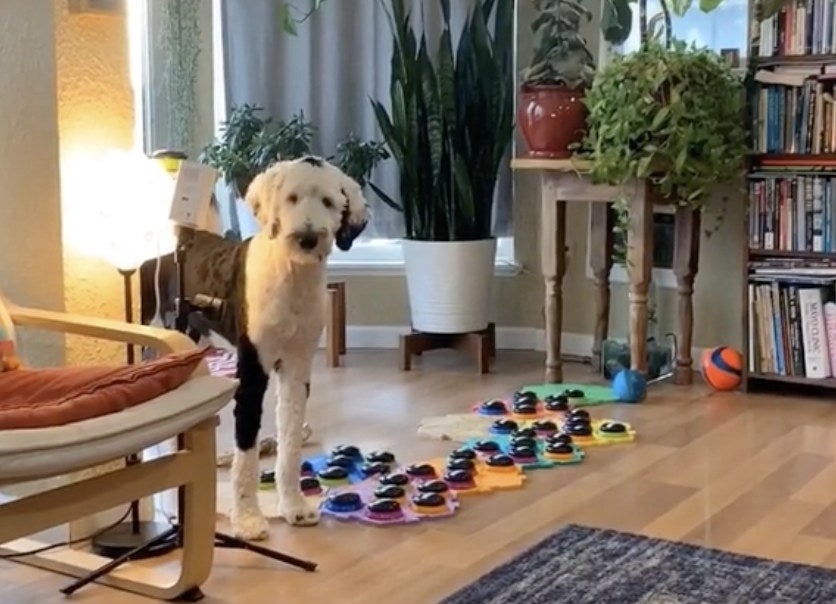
(629, 386)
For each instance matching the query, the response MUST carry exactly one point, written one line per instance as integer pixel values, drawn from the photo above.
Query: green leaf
(660, 117)
(680, 7)
(287, 20)
(644, 166)
(616, 21)
(385, 198)
(463, 188)
(707, 6)
(681, 158)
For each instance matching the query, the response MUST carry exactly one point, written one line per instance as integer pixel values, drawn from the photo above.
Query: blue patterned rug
(580, 565)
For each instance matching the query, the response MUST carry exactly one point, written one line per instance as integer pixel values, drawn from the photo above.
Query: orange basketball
(722, 367)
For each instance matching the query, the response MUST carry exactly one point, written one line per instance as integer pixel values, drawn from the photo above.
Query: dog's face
(307, 205)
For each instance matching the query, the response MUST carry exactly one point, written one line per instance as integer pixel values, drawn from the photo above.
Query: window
(664, 243)
(254, 62)
(723, 29)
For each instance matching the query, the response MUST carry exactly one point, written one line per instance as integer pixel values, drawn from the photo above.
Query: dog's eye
(293, 198)
(328, 202)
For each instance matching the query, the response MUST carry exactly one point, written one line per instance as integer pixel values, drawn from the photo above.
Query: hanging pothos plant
(671, 113)
(679, 122)
(180, 42)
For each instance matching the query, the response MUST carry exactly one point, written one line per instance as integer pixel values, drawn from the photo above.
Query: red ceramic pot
(552, 117)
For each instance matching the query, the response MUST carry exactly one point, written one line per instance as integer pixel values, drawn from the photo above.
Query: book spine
(816, 355)
(830, 326)
(752, 328)
(795, 331)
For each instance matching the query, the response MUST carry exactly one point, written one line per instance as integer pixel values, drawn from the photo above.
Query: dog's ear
(355, 215)
(262, 195)
(256, 196)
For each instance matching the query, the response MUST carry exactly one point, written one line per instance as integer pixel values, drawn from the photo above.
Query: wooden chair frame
(191, 466)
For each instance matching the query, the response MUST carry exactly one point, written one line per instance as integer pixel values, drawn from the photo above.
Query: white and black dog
(274, 287)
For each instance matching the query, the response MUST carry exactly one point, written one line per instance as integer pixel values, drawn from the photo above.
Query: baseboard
(386, 337)
(507, 338)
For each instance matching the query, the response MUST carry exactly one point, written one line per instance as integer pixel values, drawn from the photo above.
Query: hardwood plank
(821, 489)
(724, 526)
(823, 525)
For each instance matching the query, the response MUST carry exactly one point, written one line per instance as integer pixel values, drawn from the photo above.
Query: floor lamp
(130, 535)
(142, 539)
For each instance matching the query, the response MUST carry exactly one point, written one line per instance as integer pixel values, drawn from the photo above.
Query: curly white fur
(303, 206)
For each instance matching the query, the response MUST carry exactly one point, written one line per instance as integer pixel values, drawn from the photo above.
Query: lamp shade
(125, 221)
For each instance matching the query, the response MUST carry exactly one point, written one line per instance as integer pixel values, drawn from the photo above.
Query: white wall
(30, 210)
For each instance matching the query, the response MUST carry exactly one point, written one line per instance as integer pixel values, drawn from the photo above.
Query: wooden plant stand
(564, 182)
(482, 344)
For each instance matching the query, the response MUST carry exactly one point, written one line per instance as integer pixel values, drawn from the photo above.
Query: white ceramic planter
(449, 284)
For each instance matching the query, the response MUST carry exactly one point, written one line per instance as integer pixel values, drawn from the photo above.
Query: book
(816, 351)
(830, 328)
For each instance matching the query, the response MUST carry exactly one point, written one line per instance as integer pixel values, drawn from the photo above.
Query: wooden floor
(755, 475)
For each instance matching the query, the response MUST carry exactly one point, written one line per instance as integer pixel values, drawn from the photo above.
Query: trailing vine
(679, 124)
(180, 43)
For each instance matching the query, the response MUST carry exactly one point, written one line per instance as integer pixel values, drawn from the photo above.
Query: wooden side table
(567, 181)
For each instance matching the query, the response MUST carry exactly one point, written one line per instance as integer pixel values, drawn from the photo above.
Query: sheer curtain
(338, 62)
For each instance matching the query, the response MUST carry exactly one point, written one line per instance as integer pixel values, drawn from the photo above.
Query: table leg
(639, 267)
(553, 260)
(600, 260)
(685, 265)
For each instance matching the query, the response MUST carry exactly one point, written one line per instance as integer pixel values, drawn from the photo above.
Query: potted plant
(448, 126)
(551, 111)
(249, 144)
(679, 123)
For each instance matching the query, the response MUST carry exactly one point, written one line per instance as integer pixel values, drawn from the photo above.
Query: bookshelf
(789, 316)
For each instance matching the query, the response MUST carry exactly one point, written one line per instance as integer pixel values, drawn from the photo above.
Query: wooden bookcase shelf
(791, 379)
(756, 254)
(818, 161)
(818, 59)
(789, 187)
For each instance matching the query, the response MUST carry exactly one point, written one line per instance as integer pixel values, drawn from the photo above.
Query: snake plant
(449, 121)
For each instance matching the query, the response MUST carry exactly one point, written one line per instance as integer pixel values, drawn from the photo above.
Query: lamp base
(122, 538)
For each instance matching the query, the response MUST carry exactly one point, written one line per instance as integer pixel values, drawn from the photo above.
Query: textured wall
(30, 217)
(95, 114)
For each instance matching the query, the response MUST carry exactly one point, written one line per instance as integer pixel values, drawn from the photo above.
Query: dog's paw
(251, 526)
(298, 512)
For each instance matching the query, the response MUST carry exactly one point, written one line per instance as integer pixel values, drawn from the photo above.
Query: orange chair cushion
(40, 398)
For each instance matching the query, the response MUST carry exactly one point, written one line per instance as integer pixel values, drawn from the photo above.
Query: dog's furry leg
(248, 522)
(294, 386)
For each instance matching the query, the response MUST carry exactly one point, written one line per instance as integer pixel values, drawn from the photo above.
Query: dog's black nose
(308, 242)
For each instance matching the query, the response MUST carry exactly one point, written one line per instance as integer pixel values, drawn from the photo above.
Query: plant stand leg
(600, 260)
(480, 344)
(406, 352)
(686, 259)
(639, 266)
(553, 260)
(492, 340)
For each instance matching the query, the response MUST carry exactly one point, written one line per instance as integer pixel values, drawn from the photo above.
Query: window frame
(368, 256)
